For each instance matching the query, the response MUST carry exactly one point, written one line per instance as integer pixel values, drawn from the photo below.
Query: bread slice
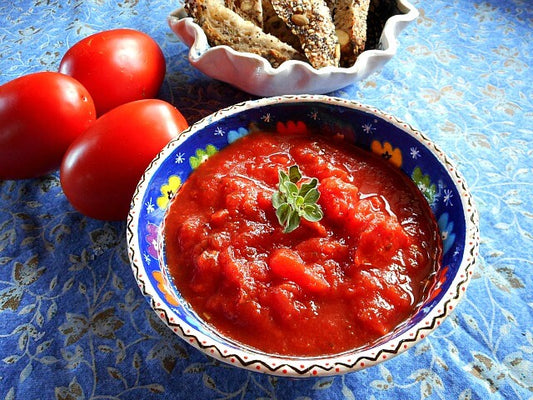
(223, 26)
(311, 22)
(250, 10)
(275, 26)
(349, 17)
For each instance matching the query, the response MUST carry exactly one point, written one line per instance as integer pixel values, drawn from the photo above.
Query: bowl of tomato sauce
(302, 236)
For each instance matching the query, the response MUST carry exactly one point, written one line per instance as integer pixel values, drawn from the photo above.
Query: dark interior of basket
(379, 12)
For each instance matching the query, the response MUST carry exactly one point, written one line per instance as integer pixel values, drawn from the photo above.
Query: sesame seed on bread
(275, 26)
(311, 22)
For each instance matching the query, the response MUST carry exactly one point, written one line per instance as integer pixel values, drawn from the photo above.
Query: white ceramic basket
(255, 75)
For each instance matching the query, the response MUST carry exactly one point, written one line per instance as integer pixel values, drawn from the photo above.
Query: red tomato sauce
(324, 288)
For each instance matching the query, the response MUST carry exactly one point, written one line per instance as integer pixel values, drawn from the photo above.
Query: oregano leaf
(293, 202)
(292, 223)
(277, 199)
(283, 213)
(312, 196)
(308, 186)
(294, 173)
(313, 213)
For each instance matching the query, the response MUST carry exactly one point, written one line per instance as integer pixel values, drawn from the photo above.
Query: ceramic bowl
(255, 75)
(420, 159)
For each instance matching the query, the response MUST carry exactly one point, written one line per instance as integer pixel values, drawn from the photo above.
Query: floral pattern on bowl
(369, 128)
(254, 74)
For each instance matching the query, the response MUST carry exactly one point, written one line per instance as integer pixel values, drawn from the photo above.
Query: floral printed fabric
(74, 324)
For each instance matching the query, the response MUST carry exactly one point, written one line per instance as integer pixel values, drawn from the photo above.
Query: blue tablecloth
(74, 324)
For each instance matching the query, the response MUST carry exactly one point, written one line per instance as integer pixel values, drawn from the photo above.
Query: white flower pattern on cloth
(74, 324)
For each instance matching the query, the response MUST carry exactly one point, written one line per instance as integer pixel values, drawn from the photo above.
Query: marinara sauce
(324, 288)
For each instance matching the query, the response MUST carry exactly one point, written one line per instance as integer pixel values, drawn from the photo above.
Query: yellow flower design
(386, 151)
(168, 191)
(162, 286)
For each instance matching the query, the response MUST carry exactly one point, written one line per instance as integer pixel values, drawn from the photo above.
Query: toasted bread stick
(311, 22)
(223, 26)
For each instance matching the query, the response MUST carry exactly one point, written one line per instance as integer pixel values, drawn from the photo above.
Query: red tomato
(40, 115)
(116, 67)
(102, 167)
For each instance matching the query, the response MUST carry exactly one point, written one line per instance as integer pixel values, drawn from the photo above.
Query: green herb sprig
(293, 203)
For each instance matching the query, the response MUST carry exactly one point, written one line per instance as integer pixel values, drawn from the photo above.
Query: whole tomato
(102, 167)
(116, 66)
(40, 115)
